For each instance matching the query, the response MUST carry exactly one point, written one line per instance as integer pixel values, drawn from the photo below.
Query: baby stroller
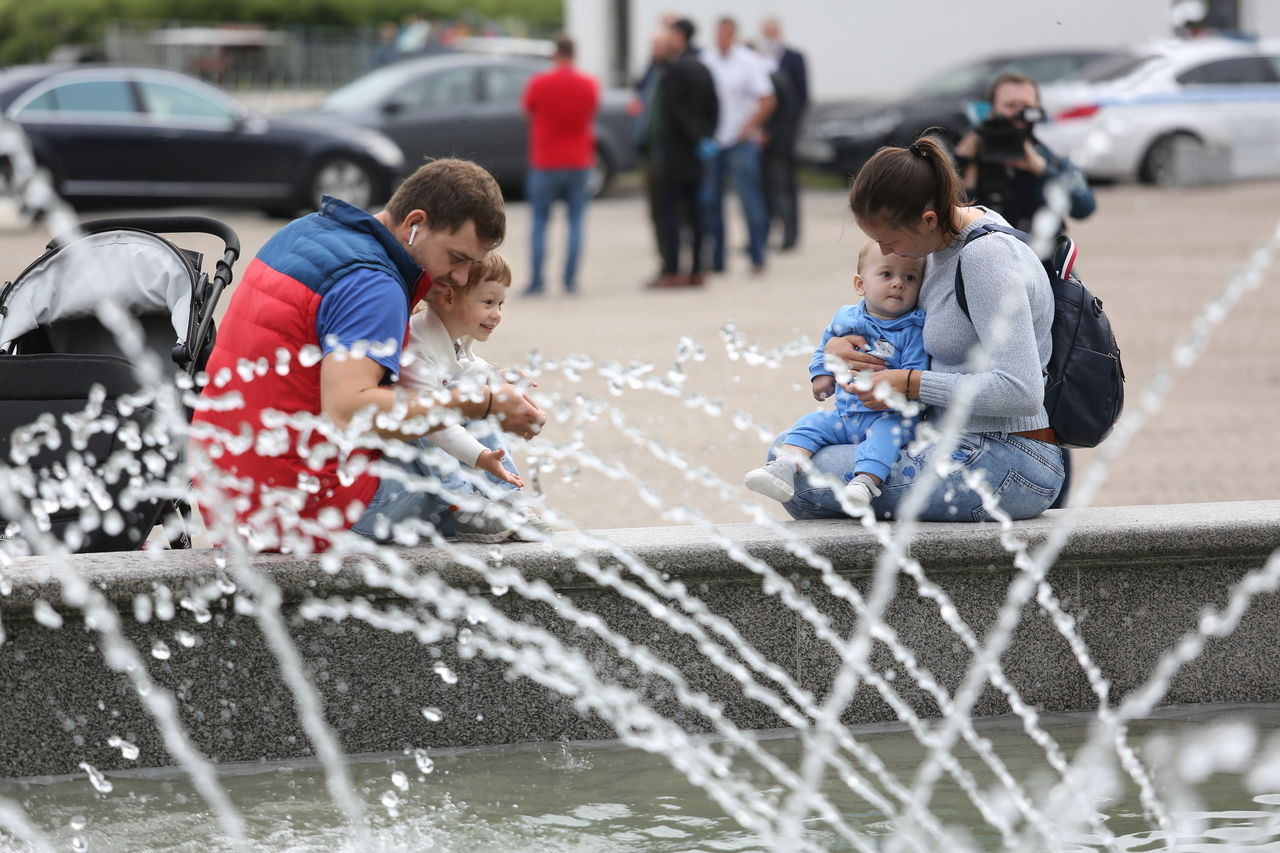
(86, 457)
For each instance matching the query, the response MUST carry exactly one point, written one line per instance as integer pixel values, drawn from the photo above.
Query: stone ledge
(1135, 536)
(1134, 579)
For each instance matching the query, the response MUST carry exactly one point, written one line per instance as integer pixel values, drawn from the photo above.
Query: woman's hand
(851, 350)
(895, 379)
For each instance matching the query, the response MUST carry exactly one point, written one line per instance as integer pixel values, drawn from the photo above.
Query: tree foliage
(29, 29)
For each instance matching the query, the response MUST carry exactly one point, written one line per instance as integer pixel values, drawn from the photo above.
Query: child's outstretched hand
(491, 461)
(823, 387)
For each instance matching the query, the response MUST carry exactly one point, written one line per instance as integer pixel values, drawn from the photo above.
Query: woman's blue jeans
(1024, 476)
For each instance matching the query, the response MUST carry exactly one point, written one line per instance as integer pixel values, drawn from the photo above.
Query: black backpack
(1084, 382)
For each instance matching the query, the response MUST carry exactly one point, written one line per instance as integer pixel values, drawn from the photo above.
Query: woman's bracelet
(489, 406)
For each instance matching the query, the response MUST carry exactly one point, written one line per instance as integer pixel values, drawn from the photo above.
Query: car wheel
(341, 177)
(1159, 165)
(601, 176)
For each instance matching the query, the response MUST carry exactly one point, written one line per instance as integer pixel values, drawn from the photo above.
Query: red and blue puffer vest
(271, 322)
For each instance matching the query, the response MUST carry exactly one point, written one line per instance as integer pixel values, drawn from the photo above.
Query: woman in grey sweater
(988, 365)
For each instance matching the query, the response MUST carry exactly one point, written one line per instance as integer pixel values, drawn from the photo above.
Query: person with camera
(1005, 168)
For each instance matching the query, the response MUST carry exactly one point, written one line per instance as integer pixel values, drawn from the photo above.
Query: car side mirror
(393, 106)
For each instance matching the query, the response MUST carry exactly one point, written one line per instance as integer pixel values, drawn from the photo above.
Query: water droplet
(128, 750)
(78, 822)
(446, 675)
(44, 613)
(78, 844)
(186, 638)
(400, 780)
(424, 762)
(100, 783)
(160, 651)
(433, 715)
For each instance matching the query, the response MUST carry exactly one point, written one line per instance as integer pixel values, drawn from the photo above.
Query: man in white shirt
(746, 99)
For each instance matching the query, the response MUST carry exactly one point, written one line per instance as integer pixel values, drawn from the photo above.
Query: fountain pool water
(601, 796)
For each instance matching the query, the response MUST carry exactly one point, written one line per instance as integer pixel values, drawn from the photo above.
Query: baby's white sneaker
(860, 491)
(776, 480)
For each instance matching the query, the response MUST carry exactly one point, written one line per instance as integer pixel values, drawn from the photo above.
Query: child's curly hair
(494, 267)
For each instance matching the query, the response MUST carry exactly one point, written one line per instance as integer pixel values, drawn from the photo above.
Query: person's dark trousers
(781, 196)
(657, 213)
(681, 215)
(545, 186)
(740, 164)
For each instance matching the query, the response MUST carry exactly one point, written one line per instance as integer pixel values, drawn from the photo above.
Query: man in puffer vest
(300, 400)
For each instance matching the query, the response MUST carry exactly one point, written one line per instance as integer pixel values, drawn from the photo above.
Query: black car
(115, 134)
(469, 105)
(842, 136)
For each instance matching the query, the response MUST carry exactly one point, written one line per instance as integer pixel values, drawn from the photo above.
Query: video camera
(1004, 138)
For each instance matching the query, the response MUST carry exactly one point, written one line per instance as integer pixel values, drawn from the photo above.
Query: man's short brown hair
(453, 192)
(1016, 77)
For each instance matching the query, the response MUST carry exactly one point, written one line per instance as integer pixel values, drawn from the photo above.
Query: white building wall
(1260, 17)
(880, 48)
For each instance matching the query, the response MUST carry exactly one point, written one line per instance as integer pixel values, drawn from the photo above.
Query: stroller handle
(165, 225)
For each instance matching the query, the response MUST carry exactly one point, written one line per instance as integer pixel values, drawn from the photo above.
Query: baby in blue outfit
(893, 327)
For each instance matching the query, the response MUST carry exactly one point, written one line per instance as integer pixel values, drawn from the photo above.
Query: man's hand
(515, 412)
(968, 145)
(823, 387)
(491, 461)
(851, 349)
(1031, 161)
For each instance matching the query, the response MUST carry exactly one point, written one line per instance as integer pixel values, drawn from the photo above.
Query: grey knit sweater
(1008, 394)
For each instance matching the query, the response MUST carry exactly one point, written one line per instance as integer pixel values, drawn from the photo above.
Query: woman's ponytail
(897, 185)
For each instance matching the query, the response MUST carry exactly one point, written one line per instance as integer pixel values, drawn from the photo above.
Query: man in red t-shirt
(561, 104)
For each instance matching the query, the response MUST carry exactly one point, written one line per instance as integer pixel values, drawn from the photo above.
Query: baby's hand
(823, 387)
(491, 461)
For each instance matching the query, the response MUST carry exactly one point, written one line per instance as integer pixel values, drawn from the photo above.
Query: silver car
(1178, 112)
(469, 106)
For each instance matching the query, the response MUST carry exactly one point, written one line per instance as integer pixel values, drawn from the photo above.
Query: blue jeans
(1024, 475)
(741, 164)
(397, 501)
(879, 436)
(544, 187)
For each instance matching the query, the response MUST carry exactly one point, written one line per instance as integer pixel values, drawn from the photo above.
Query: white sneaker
(532, 527)
(479, 527)
(776, 480)
(860, 491)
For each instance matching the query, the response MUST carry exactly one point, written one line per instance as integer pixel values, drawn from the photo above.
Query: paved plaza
(1157, 258)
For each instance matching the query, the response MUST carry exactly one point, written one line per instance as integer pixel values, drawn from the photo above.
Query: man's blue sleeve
(1078, 191)
(365, 307)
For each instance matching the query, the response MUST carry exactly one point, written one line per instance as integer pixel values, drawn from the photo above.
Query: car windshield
(958, 82)
(365, 91)
(972, 80)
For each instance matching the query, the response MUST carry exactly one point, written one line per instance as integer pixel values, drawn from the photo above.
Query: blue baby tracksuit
(879, 435)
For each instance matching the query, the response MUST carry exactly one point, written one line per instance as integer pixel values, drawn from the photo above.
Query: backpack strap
(980, 231)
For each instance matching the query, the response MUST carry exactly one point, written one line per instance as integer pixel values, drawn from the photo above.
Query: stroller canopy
(143, 272)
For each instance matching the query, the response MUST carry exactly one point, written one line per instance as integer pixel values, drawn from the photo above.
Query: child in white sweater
(440, 354)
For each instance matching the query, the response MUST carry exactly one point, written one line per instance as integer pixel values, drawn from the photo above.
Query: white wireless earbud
(413, 232)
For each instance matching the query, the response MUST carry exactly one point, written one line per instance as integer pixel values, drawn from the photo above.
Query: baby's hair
(863, 252)
(494, 267)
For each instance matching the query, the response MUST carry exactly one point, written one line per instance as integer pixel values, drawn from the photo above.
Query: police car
(1191, 111)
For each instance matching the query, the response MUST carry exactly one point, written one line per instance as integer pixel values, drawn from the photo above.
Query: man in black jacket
(791, 83)
(682, 122)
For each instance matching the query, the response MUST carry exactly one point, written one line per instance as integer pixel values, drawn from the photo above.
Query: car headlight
(384, 150)
(863, 127)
